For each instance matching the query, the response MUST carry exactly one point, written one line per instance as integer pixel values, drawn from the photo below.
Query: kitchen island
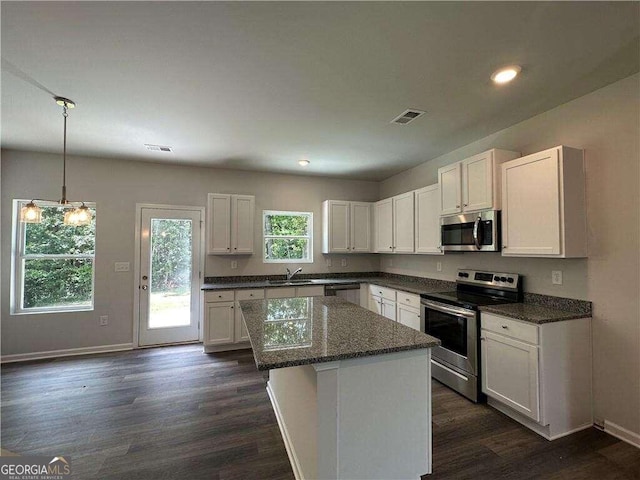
(351, 389)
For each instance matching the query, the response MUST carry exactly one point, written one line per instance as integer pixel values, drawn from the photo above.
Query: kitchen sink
(290, 282)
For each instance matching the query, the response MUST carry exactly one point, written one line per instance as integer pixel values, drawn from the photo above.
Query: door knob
(144, 287)
(144, 277)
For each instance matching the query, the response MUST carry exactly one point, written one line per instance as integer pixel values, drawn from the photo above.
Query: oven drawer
(408, 299)
(219, 296)
(384, 292)
(525, 332)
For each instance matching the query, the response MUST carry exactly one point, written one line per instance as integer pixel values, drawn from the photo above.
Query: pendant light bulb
(31, 213)
(83, 215)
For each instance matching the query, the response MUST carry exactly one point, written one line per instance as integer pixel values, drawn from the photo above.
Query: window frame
(309, 237)
(17, 265)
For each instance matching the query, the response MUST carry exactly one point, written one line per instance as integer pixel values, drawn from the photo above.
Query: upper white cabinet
(394, 224)
(543, 198)
(427, 220)
(230, 224)
(474, 183)
(346, 227)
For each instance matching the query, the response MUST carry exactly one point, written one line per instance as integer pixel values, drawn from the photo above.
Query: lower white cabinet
(540, 375)
(395, 305)
(223, 325)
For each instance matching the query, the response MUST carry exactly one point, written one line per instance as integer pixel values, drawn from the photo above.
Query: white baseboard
(622, 433)
(70, 352)
(293, 459)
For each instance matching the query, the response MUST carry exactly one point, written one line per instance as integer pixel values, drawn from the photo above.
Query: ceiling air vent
(158, 148)
(407, 116)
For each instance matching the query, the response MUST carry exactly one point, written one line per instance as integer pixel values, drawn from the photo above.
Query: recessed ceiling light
(158, 148)
(506, 74)
(303, 162)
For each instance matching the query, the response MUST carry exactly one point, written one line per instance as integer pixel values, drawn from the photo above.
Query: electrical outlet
(343, 262)
(234, 264)
(556, 277)
(104, 320)
(327, 262)
(439, 266)
(121, 266)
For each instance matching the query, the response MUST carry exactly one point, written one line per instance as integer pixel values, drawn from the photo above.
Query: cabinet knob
(231, 306)
(235, 248)
(457, 206)
(251, 294)
(505, 327)
(482, 338)
(465, 205)
(390, 246)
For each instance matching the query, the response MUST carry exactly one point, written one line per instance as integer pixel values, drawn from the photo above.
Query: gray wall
(606, 124)
(116, 186)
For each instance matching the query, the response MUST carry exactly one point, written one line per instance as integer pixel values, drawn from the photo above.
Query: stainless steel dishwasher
(349, 291)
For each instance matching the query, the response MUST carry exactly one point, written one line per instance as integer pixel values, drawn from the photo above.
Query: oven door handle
(476, 233)
(441, 307)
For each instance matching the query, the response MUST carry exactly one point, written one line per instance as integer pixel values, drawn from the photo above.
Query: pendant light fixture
(32, 213)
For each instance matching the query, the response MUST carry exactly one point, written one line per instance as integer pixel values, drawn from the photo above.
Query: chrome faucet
(290, 275)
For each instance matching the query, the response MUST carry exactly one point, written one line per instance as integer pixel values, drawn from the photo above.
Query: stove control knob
(503, 279)
(510, 280)
(496, 279)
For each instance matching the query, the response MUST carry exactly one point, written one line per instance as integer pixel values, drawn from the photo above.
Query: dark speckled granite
(405, 283)
(541, 309)
(288, 332)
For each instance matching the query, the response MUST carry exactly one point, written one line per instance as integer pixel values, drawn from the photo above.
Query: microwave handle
(476, 233)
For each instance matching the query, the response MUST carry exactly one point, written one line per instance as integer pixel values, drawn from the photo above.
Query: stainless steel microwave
(471, 232)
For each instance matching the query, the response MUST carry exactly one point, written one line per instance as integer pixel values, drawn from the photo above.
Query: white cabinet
(301, 291)
(394, 224)
(544, 212)
(230, 224)
(346, 227)
(427, 220)
(224, 328)
(408, 310)
(382, 300)
(539, 375)
(474, 183)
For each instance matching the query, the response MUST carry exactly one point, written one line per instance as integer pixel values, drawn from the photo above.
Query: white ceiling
(259, 85)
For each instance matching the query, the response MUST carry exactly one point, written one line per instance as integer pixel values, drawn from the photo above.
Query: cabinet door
(360, 224)
(427, 220)
(284, 292)
(218, 223)
(338, 223)
(477, 182)
(531, 205)
(310, 291)
(510, 373)
(242, 212)
(375, 304)
(221, 321)
(388, 309)
(450, 189)
(384, 226)
(409, 316)
(403, 226)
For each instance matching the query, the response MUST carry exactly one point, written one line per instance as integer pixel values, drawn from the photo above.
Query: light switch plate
(104, 320)
(439, 266)
(343, 262)
(556, 277)
(234, 264)
(122, 266)
(327, 262)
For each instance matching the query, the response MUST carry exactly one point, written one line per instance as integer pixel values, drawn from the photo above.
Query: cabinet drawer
(383, 292)
(250, 294)
(408, 299)
(525, 332)
(219, 296)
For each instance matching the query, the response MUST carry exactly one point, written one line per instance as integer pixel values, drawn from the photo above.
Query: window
(53, 264)
(288, 237)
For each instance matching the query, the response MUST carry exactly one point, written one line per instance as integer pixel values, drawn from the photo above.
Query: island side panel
(383, 416)
(293, 395)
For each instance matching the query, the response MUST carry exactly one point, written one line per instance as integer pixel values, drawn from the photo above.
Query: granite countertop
(534, 313)
(287, 332)
(415, 285)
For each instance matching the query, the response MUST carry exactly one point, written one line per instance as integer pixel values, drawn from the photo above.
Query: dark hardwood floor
(175, 413)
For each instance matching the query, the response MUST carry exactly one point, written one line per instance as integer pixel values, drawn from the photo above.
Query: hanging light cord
(64, 157)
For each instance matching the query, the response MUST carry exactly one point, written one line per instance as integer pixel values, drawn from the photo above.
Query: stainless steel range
(454, 318)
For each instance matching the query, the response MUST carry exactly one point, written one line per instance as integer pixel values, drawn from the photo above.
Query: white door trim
(136, 269)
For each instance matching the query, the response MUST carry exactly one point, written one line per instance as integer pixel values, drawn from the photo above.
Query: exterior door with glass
(169, 282)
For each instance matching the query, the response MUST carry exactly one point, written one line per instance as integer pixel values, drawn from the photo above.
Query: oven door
(457, 330)
(473, 232)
